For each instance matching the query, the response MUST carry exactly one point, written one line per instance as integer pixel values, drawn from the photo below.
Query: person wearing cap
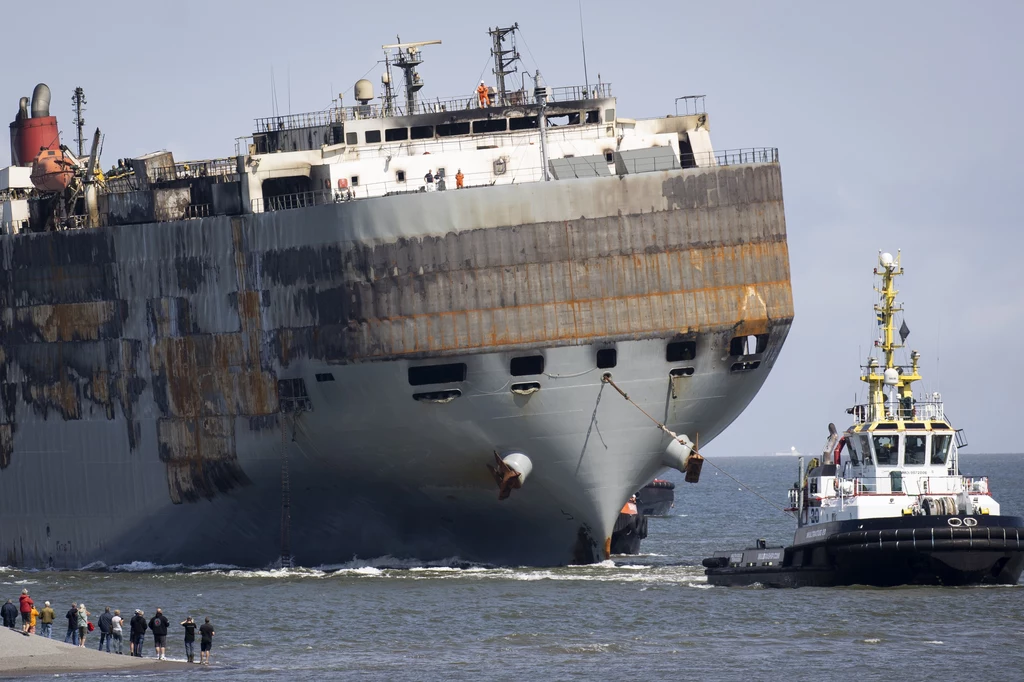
(190, 638)
(484, 94)
(26, 604)
(46, 618)
(138, 633)
(72, 616)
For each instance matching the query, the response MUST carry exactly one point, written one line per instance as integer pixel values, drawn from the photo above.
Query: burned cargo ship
(378, 329)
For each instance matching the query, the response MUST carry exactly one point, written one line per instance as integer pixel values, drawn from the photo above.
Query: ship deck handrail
(729, 157)
(920, 410)
(340, 114)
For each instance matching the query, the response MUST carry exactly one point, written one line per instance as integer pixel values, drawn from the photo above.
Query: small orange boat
(52, 171)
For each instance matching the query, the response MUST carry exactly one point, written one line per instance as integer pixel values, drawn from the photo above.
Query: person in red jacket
(26, 610)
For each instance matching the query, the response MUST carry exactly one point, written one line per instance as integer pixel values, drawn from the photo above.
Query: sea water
(648, 617)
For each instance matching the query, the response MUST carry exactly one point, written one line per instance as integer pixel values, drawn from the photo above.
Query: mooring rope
(608, 380)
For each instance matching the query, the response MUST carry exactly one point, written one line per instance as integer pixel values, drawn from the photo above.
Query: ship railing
(919, 410)
(501, 174)
(14, 226)
(283, 202)
(334, 115)
(185, 170)
(954, 485)
(193, 211)
(692, 105)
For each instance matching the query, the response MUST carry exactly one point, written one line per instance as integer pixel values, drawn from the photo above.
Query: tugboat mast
(892, 374)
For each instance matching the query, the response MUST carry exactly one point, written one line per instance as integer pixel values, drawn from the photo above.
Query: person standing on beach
(10, 614)
(106, 628)
(115, 631)
(138, 626)
(72, 616)
(26, 610)
(33, 615)
(83, 624)
(206, 641)
(190, 639)
(46, 618)
(158, 625)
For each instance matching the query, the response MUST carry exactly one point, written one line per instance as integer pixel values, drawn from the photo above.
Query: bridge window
(400, 176)
(940, 447)
(594, 116)
(449, 129)
(852, 445)
(914, 450)
(372, 136)
(887, 450)
(609, 115)
(527, 366)
(396, 134)
(422, 132)
(523, 123)
(437, 374)
(351, 138)
(491, 125)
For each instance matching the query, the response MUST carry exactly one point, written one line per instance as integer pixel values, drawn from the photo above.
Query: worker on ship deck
(459, 178)
(484, 94)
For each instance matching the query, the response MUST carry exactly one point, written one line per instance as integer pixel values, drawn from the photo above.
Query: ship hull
(885, 553)
(231, 390)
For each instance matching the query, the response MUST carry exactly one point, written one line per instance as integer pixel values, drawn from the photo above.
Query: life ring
(954, 521)
(970, 522)
(835, 484)
(342, 183)
(839, 449)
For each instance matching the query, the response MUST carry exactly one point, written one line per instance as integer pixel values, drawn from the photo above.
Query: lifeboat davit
(52, 171)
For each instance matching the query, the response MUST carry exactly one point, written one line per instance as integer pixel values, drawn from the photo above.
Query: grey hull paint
(141, 413)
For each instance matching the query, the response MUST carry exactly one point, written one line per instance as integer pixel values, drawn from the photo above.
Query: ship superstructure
(379, 329)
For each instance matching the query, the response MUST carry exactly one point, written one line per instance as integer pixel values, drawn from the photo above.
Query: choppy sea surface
(649, 617)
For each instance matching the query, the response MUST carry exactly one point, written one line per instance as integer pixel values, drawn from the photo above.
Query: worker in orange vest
(459, 177)
(484, 95)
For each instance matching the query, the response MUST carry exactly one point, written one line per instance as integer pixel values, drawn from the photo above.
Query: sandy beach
(22, 655)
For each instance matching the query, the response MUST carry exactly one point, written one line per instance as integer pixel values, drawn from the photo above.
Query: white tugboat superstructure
(886, 502)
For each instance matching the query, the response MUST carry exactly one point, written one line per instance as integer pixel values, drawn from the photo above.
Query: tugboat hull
(988, 552)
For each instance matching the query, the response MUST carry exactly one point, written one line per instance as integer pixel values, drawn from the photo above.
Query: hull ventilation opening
(528, 388)
(440, 397)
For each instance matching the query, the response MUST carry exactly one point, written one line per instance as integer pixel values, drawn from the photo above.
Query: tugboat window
(852, 445)
(914, 451)
(865, 449)
(886, 450)
(940, 447)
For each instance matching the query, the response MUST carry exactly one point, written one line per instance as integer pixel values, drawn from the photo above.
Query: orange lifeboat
(52, 171)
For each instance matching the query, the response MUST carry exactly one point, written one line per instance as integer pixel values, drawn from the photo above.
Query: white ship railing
(921, 410)
(482, 179)
(335, 115)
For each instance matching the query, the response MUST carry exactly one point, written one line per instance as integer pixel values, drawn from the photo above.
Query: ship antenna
(583, 42)
(78, 99)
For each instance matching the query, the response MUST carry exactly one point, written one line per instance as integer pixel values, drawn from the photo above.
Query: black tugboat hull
(656, 498)
(921, 551)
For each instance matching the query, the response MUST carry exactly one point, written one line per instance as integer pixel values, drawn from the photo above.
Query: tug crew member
(484, 95)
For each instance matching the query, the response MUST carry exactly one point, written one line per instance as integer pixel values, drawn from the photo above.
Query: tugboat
(894, 509)
(630, 529)
(656, 498)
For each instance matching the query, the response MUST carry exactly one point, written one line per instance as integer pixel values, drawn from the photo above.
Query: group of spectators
(111, 627)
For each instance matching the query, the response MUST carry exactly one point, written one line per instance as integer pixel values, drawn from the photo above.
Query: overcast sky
(898, 124)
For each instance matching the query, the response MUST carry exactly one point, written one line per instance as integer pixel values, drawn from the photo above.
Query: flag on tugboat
(904, 332)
